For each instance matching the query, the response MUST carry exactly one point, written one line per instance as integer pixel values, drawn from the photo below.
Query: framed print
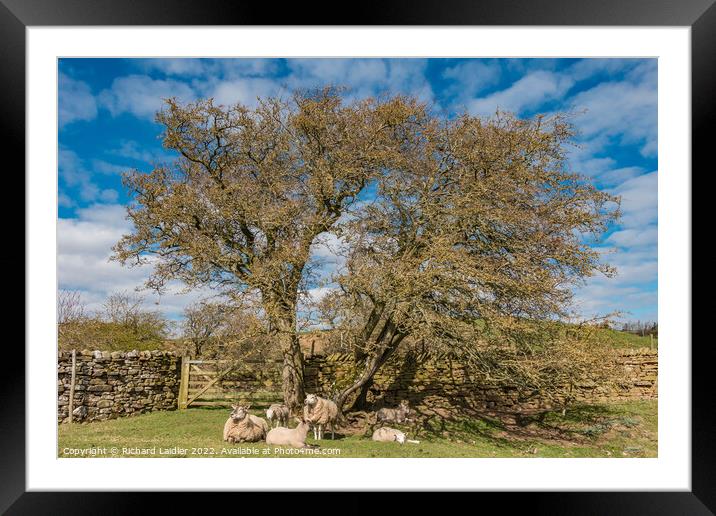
(428, 251)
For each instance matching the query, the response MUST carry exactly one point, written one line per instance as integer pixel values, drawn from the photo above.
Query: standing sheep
(321, 413)
(244, 427)
(278, 413)
(295, 437)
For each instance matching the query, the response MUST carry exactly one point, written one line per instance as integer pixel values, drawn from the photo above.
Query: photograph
(357, 257)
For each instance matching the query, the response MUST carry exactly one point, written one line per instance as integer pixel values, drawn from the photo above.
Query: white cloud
(639, 198)
(318, 293)
(193, 67)
(130, 149)
(528, 93)
(244, 91)
(65, 200)
(174, 66)
(628, 238)
(624, 111)
(247, 67)
(72, 171)
(84, 246)
(365, 77)
(633, 302)
(75, 101)
(616, 176)
(142, 96)
(107, 168)
(468, 78)
(586, 68)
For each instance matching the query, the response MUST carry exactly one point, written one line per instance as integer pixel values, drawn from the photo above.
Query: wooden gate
(221, 383)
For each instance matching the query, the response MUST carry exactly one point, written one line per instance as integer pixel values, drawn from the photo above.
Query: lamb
(321, 413)
(244, 427)
(278, 413)
(386, 434)
(294, 437)
(394, 415)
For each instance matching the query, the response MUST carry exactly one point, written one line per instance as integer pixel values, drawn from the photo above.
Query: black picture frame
(17, 15)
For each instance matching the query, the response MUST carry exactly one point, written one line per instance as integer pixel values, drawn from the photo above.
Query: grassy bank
(615, 430)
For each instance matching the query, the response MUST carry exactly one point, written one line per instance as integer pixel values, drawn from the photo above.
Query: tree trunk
(361, 400)
(372, 366)
(292, 371)
(292, 376)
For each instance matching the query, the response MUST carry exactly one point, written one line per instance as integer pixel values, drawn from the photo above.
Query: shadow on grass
(461, 421)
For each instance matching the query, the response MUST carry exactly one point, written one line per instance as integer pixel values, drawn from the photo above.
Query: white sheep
(321, 413)
(278, 413)
(386, 434)
(244, 427)
(294, 437)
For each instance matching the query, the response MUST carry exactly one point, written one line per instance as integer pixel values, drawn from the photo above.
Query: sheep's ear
(248, 406)
(233, 407)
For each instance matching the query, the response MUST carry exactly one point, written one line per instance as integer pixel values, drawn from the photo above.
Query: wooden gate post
(184, 383)
(71, 405)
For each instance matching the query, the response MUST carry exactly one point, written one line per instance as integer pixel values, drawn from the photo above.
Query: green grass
(614, 430)
(620, 339)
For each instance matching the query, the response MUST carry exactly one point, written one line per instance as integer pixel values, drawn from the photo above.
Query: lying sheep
(394, 415)
(294, 437)
(278, 413)
(321, 413)
(244, 427)
(386, 435)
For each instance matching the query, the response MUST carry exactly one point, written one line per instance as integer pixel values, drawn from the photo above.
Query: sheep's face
(405, 411)
(238, 413)
(311, 399)
(400, 438)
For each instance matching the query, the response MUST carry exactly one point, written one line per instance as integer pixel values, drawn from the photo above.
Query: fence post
(71, 405)
(184, 383)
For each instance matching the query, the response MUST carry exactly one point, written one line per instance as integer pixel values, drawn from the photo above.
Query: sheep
(294, 437)
(244, 427)
(278, 413)
(394, 415)
(321, 413)
(386, 434)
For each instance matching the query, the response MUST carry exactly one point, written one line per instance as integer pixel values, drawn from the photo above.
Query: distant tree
(252, 190)
(203, 322)
(124, 323)
(72, 318)
(121, 324)
(641, 328)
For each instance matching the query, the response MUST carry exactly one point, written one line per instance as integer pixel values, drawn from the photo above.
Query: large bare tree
(251, 191)
(477, 234)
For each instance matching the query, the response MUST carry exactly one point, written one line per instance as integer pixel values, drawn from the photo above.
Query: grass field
(620, 339)
(616, 430)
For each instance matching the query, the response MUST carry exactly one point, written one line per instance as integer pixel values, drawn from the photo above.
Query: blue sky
(106, 123)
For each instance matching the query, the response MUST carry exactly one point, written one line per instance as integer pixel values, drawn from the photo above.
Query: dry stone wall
(110, 385)
(114, 384)
(440, 381)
